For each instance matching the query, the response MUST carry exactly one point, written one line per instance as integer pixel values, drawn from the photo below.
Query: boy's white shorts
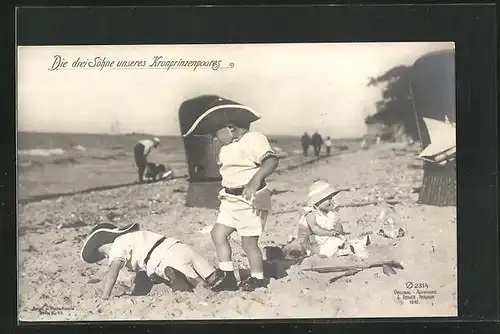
(246, 220)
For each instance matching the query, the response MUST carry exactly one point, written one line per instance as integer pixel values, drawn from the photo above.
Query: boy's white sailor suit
(239, 162)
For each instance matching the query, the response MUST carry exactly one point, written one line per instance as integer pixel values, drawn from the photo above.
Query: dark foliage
(396, 106)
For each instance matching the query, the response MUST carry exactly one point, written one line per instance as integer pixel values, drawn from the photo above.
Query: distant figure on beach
(328, 146)
(317, 142)
(141, 152)
(246, 159)
(306, 142)
(162, 259)
(364, 144)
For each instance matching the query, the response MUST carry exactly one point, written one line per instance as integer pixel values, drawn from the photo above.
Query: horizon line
(160, 135)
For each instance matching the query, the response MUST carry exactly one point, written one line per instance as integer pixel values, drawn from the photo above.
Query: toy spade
(347, 273)
(386, 269)
(335, 269)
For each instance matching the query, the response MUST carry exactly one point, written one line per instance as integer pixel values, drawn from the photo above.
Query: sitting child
(163, 259)
(318, 231)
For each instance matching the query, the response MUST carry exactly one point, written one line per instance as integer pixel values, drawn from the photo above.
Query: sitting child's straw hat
(214, 113)
(102, 234)
(319, 191)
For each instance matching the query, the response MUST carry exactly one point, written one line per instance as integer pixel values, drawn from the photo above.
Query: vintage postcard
(238, 181)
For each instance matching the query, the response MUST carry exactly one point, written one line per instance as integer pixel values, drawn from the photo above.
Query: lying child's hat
(319, 191)
(214, 112)
(102, 234)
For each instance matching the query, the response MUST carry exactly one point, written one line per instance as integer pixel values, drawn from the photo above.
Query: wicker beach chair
(202, 155)
(432, 87)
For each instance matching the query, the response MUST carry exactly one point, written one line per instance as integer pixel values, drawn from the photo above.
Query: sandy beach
(54, 282)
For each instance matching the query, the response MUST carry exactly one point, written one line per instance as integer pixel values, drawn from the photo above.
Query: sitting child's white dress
(328, 245)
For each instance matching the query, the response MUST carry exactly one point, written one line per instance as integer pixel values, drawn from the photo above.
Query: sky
(294, 87)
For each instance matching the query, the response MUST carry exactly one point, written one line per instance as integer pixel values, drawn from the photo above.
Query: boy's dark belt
(152, 249)
(239, 191)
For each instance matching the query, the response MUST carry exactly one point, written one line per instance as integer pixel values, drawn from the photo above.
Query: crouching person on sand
(141, 151)
(164, 260)
(318, 231)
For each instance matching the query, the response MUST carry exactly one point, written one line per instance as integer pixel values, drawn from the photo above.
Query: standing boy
(246, 159)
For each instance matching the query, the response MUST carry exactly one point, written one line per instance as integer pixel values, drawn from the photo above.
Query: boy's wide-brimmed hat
(102, 234)
(214, 112)
(319, 191)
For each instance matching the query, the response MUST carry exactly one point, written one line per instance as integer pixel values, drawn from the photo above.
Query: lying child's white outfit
(133, 248)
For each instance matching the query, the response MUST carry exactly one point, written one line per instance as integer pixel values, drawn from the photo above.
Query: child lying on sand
(318, 231)
(163, 259)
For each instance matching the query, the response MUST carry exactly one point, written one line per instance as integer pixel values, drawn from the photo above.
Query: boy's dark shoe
(177, 281)
(226, 281)
(253, 283)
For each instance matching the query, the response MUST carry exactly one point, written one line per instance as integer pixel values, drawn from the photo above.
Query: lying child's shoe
(142, 284)
(227, 282)
(177, 280)
(253, 283)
